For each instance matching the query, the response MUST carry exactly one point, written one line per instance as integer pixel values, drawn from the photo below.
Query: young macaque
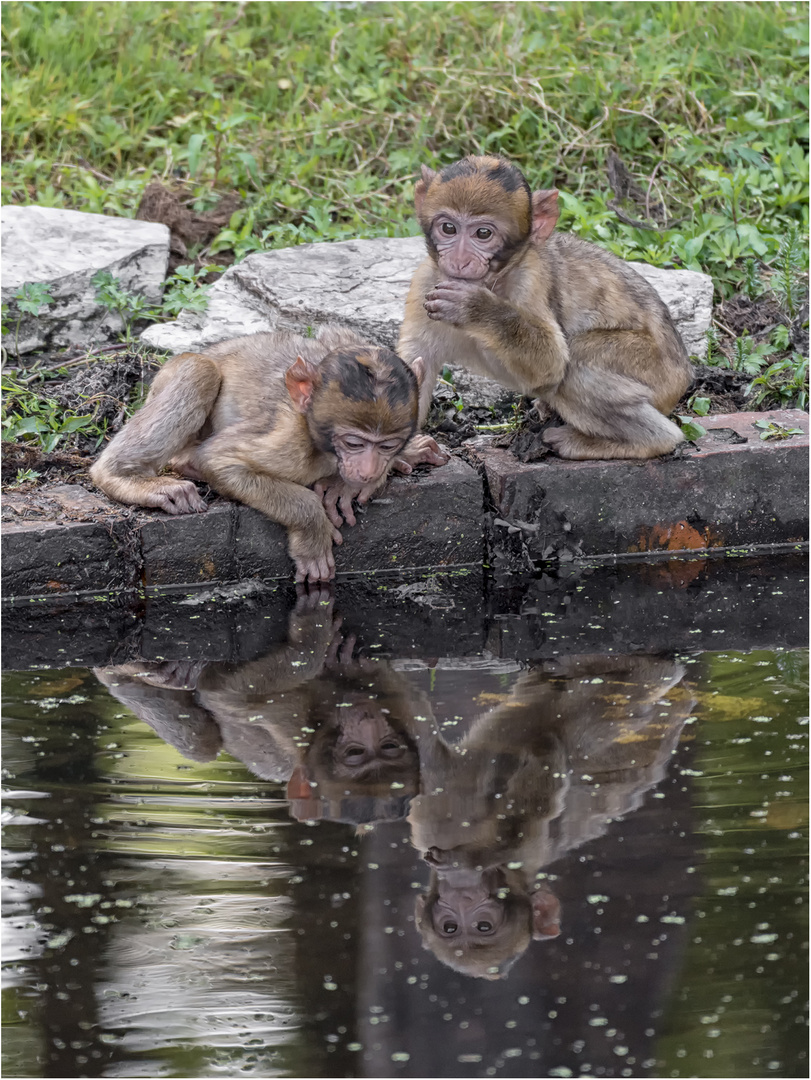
(264, 418)
(575, 746)
(544, 313)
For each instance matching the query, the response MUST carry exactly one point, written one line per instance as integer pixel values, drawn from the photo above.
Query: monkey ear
(545, 915)
(418, 367)
(302, 380)
(298, 786)
(422, 186)
(545, 213)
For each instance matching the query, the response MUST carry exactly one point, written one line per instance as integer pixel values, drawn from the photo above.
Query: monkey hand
(456, 302)
(337, 496)
(311, 550)
(420, 450)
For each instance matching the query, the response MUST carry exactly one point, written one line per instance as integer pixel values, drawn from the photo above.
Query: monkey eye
(390, 748)
(484, 927)
(449, 927)
(354, 444)
(484, 233)
(448, 228)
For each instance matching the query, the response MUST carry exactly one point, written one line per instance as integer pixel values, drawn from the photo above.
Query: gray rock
(363, 284)
(64, 249)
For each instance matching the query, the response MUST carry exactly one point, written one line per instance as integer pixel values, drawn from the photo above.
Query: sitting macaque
(544, 313)
(262, 419)
(336, 730)
(576, 745)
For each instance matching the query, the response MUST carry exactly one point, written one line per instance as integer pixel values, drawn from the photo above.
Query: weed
(25, 476)
(32, 299)
(771, 429)
(27, 416)
(783, 384)
(786, 282)
(690, 428)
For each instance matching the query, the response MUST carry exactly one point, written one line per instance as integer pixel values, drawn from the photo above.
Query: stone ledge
(718, 496)
(723, 494)
(425, 520)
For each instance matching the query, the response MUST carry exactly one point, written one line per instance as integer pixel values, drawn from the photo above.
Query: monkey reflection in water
(575, 744)
(337, 730)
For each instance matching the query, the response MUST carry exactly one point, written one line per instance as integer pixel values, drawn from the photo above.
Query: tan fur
(225, 416)
(563, 321)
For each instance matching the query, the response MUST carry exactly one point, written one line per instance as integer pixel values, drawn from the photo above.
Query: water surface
(345, 857)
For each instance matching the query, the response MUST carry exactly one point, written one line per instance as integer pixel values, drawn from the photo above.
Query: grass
(319, 115)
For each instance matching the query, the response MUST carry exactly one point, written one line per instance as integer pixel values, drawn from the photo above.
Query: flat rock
(363, 284)
(64, 249)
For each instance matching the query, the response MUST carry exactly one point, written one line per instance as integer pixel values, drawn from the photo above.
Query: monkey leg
(225, 462)
(608, 415)
(181, 398)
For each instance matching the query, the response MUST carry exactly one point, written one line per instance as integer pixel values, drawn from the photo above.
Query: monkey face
(364, 457)
(476, 215)
(480, 921)
(359, 750)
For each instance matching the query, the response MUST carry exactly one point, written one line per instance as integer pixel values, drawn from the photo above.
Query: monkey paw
(420, 450)
(337, 496)
(454, 301)
(313, 556)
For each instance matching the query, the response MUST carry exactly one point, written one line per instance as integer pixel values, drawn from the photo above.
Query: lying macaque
(264, 418)
(544, 313)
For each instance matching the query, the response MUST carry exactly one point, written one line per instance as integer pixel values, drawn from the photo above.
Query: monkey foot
(420, 450)
(177, 497)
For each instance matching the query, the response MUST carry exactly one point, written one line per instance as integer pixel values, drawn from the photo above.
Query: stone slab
(43, 558)
(363, 284)
(432, 519)
(720, 495)
(64, 249)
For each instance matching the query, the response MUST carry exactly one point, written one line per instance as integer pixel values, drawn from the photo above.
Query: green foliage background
(319, 114)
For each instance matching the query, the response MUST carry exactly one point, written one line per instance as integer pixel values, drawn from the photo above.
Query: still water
(354, 853)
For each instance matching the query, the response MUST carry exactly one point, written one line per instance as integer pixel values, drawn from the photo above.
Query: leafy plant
(184, 291)
(784, 383)
(25, 476)
(690, 428)
(748, 357)
(31, 299)
(112, 295)
(771, 429)
(752, 285)
(27, 416)
(786, 281)
(699, 405)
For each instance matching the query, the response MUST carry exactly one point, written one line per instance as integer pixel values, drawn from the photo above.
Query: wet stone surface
(411, 827)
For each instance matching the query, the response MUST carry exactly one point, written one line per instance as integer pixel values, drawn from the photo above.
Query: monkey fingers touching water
(544, 313)
(262, 419)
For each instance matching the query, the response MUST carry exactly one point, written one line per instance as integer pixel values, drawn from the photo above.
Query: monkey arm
(239, 468)
(531, 347)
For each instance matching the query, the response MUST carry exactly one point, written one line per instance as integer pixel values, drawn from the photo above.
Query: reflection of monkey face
(358, 750)
(474, 922)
